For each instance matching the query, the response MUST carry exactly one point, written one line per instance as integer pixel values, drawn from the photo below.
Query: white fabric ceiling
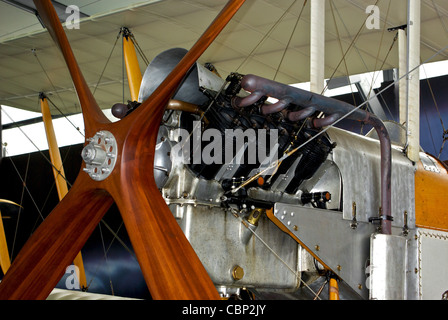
(178, 23)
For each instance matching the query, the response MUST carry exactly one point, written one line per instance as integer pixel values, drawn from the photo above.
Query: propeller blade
(52, 248)
(91, 111)
(169, 264)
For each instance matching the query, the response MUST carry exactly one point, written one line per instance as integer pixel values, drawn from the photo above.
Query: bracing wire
(347, 51)
(106, 259)
(379, 49)
(290, 39)
(123, 69)
(265, 36)
(34, 51)
(37, 148)
(342, 50)
(106, 250)
(20, 208)
(436, 105)
(25, 188)
(71, 123)
(440, 17)
(107, 61)
(139, 49)
(236, 215)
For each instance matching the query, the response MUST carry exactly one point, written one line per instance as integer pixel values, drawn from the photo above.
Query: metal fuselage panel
(358, 159)
(272, 261)
(432, 257)
(342, 240)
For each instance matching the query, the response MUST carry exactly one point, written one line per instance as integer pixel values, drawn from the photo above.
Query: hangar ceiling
(266, 37)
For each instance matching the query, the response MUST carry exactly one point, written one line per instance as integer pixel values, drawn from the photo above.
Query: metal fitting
(237, 273)
(100, 155)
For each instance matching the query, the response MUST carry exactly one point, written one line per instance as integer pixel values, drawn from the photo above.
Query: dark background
(431, 130)
(116, 272)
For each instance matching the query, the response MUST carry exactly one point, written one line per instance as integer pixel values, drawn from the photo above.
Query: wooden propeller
(169, 264)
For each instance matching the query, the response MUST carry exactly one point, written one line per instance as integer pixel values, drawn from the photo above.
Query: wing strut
(59, 174)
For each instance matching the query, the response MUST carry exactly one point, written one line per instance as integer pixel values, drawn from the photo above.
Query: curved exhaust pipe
(334, 111)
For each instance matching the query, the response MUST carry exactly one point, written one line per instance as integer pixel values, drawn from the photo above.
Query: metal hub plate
(100, 155)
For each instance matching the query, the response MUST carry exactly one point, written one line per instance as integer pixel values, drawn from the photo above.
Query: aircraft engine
(247, 177)
(219, 170)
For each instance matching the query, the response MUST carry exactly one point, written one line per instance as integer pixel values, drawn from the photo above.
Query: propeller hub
(100, 155)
